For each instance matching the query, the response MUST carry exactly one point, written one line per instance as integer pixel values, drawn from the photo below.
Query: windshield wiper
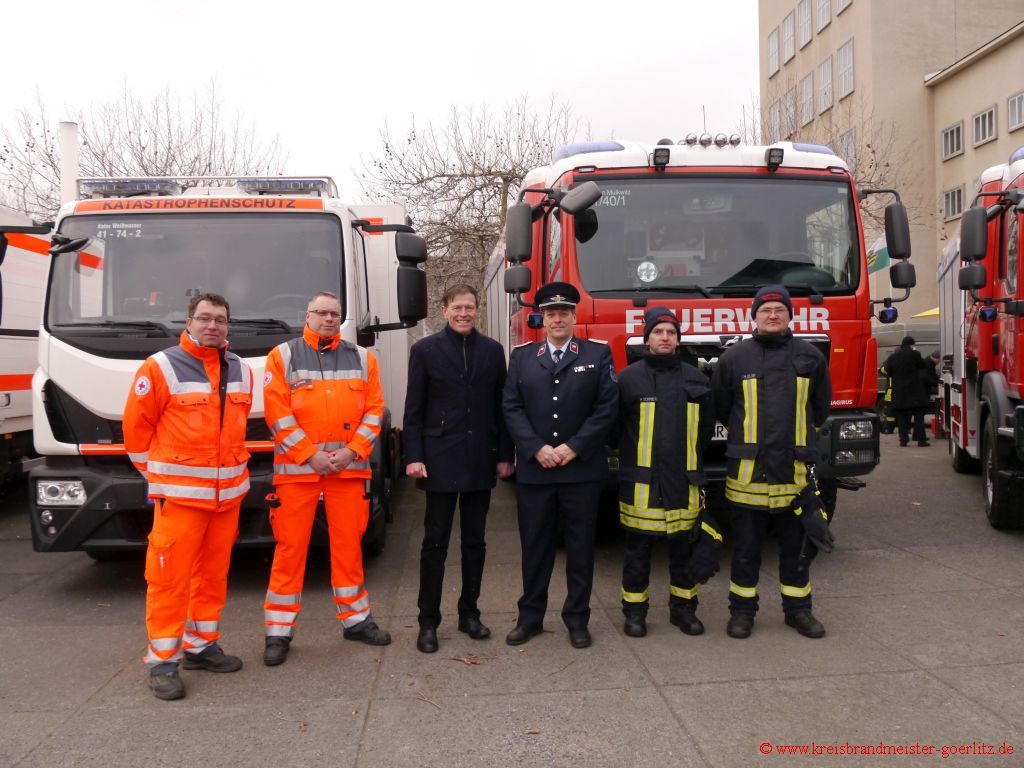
(804, 289)
(144, 324)
(265, 322)
(741, 288)
(688, 288)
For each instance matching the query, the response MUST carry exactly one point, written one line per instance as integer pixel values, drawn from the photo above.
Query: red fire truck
(699, 226)
(981, 398)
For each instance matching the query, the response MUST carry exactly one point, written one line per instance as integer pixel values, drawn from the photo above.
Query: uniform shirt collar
(196, 349)
(552, 347)
(312, 338)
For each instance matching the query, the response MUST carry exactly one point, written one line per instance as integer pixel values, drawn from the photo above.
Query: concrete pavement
(923, 602)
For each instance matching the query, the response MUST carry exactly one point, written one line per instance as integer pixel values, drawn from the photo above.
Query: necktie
(558, 356)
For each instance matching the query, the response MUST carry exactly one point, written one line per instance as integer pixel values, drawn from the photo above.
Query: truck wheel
(962, 461)
(1000, 508)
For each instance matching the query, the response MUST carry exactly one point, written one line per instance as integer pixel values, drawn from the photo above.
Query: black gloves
(810, 511)
(703, 563)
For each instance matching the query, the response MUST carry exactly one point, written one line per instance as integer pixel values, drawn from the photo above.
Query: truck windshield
(719, 235)
(138, 272)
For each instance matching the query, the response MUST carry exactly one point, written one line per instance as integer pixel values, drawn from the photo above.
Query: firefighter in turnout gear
(323, 402)
(773, 392)
(184, 429)
(666, 421)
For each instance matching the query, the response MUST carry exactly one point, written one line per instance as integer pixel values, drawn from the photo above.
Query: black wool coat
(453, 419)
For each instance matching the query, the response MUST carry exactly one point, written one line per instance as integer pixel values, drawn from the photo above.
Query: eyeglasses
(325, 313)
(208, 319)
(773, 312)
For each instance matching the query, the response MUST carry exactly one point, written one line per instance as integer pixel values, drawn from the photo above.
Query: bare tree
(458, 178)
(129, 136)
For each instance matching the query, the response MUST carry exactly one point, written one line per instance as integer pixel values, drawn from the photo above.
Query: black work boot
(635, 625)
(276, 651)
(165, 682)
(740, 625)
(368, 632)
(688, 622)
(805, 623)
(212, 659)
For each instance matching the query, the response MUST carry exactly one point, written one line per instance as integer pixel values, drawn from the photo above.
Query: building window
(952, 203)
(847, 147)
(789, 113)
(806, 100)
(842, 5)
(773, 52)
(1015, 112)
(824, 14)
(985, 126)
(844, 66)
(788, 49)
(774, 123)
(825, 84)
(953, 141)
(803, 23)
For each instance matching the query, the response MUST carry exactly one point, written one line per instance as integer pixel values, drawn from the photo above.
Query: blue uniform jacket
(574, 403)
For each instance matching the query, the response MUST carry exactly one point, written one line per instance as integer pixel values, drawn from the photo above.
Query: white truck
(24, 260)
(125, 258)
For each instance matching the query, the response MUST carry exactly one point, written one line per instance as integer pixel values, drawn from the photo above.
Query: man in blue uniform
(455, 444)
(560, 401)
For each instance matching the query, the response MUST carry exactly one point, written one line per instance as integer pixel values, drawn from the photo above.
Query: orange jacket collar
(312, 338)
(196, 350)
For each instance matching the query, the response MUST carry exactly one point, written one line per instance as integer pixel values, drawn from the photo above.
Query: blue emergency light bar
(820, 149)
(583, 147)
(1017, 155)
(275, 185)
(128, 187)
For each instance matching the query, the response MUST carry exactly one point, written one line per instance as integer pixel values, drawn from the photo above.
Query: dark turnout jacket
(772, 392)
(453, 420)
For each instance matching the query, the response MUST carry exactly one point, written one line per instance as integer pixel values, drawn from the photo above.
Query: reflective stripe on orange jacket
(321, 400)
(173, 429)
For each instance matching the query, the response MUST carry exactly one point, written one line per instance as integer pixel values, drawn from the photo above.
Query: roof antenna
(704, 112)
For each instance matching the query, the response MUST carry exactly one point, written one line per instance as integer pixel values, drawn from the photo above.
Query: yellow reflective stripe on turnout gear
(657, 520)
(686, 594)
(803, 388)
(795, 591)
(634, 597)
(645, 441)
(692, 421)
(736, 589)
(750, 410)
(641, 495)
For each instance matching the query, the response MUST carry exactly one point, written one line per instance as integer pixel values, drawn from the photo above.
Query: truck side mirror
(973, 234)
(517, 279)
(897, 232)
(519, 233)
(972, 278)
(580, 198)
(410, 248)
(902, 275)
(412, 293)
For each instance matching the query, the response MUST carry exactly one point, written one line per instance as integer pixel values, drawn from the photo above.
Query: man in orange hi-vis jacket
(323, 402)
(184, 429)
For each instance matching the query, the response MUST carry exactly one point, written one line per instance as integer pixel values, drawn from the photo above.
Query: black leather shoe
(580, 637)
(805, 623)
(923, 443)
(522, 634)
(212, 659)
(167, 686)
(368, 632)
(426, 642)
(688, 623)
(472, 627)
(635, 626)
(276, 650)
(740, 625)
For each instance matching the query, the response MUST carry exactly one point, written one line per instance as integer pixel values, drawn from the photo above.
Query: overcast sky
(325, 78)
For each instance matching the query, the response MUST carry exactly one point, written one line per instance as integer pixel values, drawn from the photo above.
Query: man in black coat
(455, 443)
(907, 370)
(560, 402)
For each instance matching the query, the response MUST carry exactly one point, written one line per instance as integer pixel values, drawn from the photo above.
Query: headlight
(855, 430)
(647, 271)
(60, 493)
(865, 456)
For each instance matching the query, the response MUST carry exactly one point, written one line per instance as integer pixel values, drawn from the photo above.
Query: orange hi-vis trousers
(348, 511)
(187, 572)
